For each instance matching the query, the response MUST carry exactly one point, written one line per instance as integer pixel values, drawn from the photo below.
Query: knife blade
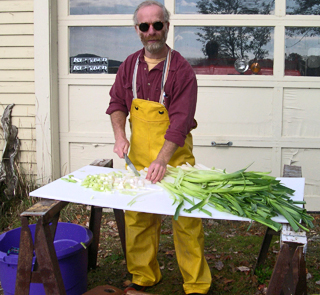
(129, 163)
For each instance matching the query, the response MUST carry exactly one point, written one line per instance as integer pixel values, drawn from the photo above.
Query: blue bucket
(71, 254)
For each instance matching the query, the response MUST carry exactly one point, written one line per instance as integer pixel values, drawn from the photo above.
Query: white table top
(158, 202)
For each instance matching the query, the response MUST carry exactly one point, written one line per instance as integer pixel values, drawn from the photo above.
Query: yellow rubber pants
(149, 122)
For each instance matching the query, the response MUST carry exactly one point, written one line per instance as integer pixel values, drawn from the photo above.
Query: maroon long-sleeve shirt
(180, 90)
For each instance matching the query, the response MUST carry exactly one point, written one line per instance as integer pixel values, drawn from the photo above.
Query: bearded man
(158, 87)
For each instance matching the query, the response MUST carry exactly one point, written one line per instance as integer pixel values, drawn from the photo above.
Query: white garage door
(268, 118)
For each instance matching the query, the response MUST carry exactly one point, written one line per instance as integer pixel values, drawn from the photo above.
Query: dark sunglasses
(144, 27)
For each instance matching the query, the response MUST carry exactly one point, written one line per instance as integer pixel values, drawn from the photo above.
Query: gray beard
(156, 47)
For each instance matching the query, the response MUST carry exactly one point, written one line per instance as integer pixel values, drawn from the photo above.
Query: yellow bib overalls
(149, 121)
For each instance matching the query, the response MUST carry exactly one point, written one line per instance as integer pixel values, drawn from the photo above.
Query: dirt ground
(231, 249)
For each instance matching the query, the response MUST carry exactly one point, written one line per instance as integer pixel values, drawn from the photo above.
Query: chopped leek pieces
(254, 195)
(125, 183)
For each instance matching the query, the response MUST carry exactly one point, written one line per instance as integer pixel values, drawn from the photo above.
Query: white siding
(17, 75)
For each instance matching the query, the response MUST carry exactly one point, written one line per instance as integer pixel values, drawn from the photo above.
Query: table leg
(47, 259)
(94, 226)
(265, 246)
(119, 216)
(24, 268)
(288, 276)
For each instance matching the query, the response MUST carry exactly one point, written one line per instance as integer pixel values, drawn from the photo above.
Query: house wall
(17, 75)
(289, 142)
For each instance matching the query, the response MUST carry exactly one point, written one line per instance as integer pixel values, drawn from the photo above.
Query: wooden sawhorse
(289, 274)
(46, 269)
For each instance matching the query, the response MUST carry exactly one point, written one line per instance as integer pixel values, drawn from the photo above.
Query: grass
(231, 249)
(228, 248)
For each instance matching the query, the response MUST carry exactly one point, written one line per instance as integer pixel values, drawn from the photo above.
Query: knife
(129, 163)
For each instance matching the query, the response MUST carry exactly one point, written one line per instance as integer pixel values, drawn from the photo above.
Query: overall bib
(149, 121)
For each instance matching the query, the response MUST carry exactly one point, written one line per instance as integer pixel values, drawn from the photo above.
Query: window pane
(225, 7)
(214, 50)
(302, 51)
(303, 7)
(113, 43)
(104, 6)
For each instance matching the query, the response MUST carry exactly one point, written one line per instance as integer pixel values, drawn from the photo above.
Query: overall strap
(165, 73)
(134, 79)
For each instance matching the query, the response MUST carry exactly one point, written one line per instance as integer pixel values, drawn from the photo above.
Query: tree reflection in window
(214, 50)
(303, 7)
(225, 7)
(83, 7)
(302, 50)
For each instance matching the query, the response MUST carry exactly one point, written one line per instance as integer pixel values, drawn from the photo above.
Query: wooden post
(289, 274)
(95, 222)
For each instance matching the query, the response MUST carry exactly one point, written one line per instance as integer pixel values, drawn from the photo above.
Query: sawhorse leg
(265, 246)
(289, 275)
(46, 269)
(95, 223)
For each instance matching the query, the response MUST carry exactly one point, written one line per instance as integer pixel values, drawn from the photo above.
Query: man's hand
(158, 167)
(121, 147)
(118, 120)
(156, 170)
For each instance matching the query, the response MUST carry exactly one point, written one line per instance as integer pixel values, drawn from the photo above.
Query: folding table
(289, 276)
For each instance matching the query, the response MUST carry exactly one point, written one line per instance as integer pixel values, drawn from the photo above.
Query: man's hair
(166, 13)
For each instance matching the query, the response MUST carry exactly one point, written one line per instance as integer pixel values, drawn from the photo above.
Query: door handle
(218, 144)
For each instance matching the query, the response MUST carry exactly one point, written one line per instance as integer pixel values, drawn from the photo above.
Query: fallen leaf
(243, 268)
(227, 281)
(126, 283)
(113, 225)
(232, 268)
(228, 257)
(210, 256)
(261, 287)
(218, 265)
(170, 252)
(244, 263)
(166, 232)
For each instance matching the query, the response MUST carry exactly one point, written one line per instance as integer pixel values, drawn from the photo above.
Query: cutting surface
(156, 200)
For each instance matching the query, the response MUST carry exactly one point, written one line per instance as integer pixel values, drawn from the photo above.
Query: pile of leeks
(254, 195)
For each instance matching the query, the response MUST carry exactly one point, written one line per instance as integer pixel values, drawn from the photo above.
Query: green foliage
(263, 274)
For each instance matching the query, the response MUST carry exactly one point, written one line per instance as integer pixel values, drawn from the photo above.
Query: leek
(251, 194)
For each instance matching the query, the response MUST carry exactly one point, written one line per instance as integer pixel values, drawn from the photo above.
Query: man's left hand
(158, 167)
(156, 171)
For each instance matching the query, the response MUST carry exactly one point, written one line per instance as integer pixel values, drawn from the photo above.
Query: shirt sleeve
(182, 105)
(118, 93)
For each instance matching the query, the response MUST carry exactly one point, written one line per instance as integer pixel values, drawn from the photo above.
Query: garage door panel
(309, 160)
(87, 108)
(301, 109)
(234, 111)
(234, 158)
(82, 154)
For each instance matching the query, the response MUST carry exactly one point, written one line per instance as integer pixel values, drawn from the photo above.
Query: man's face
(152, 40)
